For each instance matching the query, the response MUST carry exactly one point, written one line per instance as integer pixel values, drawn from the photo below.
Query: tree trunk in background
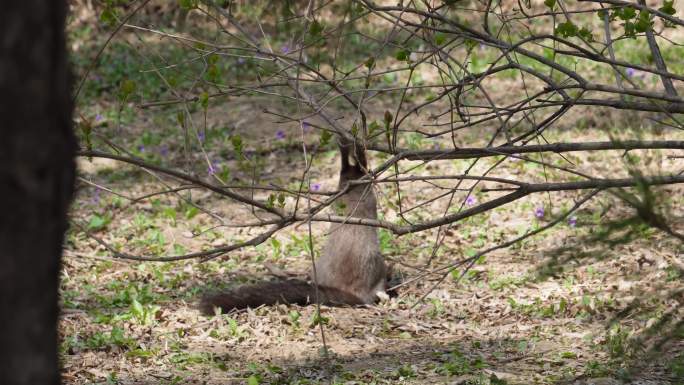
(37, 169)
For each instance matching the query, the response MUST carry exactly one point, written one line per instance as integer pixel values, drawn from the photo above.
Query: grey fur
(351, 269)
(351, 259)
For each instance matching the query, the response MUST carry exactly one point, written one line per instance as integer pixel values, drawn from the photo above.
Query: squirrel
(351, 269)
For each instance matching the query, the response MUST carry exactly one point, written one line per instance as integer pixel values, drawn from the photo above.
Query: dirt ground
(566, 306)
(597, 299)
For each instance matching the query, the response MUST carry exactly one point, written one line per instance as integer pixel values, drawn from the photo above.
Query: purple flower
(201, 135)
(630, 72)
(164, 150)
(572, 221)
(96, 196)
(315, 187)
(241, 60)
(141, 148)
(280, 135)
(539, 212)
(212, 168)
(285, 49)
(470, 200)
(98, 117)
(306, 126)
(436, 146)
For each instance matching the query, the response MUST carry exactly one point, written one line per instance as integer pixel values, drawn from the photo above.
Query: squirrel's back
(350, 271)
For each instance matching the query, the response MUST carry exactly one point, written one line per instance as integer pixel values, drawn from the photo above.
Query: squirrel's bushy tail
(270, 293)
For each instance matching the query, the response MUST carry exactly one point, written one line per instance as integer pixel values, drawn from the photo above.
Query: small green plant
(141, 353)
(458, 364)
(676, 367)
(293, 317)
(437, 308)
(617, 342)
(183, 359)
(99, 222)
(144, 314)
(112, 378)
(115, 337)
(597, 369)
(385, 239)
(405, 371)
(297, 245)
(317, 319)
(234, 330)
(507, 281)
(276, 248)
(673, 273)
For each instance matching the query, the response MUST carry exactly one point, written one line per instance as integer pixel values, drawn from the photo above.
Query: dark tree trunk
(37, 168)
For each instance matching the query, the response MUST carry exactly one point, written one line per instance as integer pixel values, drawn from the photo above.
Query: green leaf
(325, 138)
(224, 173)
(440, 38)
(170, 213)
(178, 249)
(319, 319)
(253, 380)
(204, 100)
(470, 44)
(191, 212)
(294, 316)
(550, 3)
(354, 129)
(644, 22)
(567, 29)
(626, 13)
(316, 28)
(86, 129)
(668, 8)
(108, 17)
(236, 141)
(98, 222)
(373, 127)
(117, 335)
(370, 62)
(586, 34)
(137, 308)
(187, 4)
(126, 88)
(402, 55)
(630, 29)
(213, 73)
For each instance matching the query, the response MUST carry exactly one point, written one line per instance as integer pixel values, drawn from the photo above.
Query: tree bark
(37, 168)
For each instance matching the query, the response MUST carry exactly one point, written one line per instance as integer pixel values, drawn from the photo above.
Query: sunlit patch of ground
(539, 312)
